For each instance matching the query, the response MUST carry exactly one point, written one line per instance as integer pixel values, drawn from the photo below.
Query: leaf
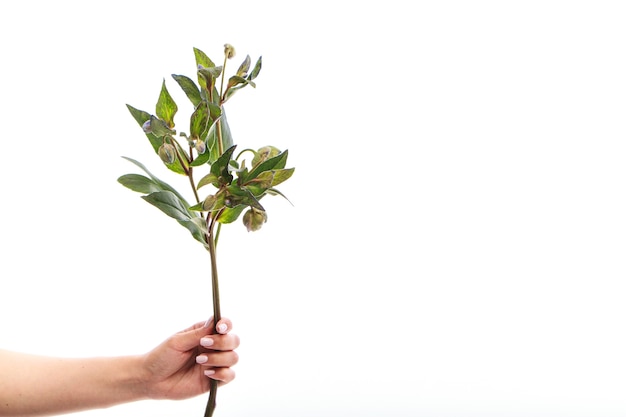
(220, 167)
(202, 58)
(189, 87)
(207, 77)
(244, 67)
(162, 184)
(274, 191)
(142, 117)
(277, 162)
(229, 215)
(210, 178)
(197, 228)
(212, 138)
(139, 183)
(199, 121)
(242, 196)
(215, 111)
(274, 177)
(170, 204)
(255, 70)
(160, 128)
(201, 159)
(227, 138)
(166, 107)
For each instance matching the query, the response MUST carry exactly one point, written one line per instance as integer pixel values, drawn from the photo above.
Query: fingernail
(209, 372)
(206, 341)
(222, 328)
(201, 359)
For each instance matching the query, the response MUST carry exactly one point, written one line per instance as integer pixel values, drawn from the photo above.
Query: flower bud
(167, 153)
(200, 146)
(147, 128)
(209, 202)
(264, 153)
(229, 50)
(253, 219)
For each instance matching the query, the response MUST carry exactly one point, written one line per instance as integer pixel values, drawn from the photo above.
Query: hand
(181, 366)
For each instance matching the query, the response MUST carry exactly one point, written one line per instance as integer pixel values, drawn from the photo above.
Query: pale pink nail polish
(209, 372)
(206, 341)
(222, 328)
(201, 359)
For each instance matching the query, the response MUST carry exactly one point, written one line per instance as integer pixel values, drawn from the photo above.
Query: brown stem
(217, 315)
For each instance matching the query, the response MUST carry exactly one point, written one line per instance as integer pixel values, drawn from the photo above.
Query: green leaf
(215, 111)
(239, 196)
(274, 191)
(277, 162)
(166, 107)
(189, 87)
(139, 183)
(162, 184)
(142, 117)
(169, 203)
(210, 178)
(207, 77)
(211, 143)
(174, 207)
(197, 228)
(229, 215)
(199, 121)
(244, 67)
(212, 138)
(201, 159)
(202, 58)
(220, 167)
(255, 70)
(273, 177)
(160, 128)
(227, 138)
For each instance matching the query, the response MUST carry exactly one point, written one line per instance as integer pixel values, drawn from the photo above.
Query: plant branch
(217, 315)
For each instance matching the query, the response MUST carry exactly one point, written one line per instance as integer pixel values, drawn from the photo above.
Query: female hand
(181, 366)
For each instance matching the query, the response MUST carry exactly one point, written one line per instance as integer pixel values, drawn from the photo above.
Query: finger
(220, 342)
(223, 375)
(188, 339)
(224, 325)
(218, 359)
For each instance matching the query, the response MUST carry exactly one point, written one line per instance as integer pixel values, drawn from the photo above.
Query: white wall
(456, 244)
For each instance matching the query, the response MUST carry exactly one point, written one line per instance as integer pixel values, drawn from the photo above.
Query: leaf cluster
(207, 144)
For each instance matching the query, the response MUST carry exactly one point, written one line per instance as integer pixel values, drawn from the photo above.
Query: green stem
(212, 239)
(220, 144)
(214, 281)
(217, 315)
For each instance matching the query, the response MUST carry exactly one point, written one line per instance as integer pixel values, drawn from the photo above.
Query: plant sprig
(208, 144)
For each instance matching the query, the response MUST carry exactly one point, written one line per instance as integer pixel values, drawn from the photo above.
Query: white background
(456, 241)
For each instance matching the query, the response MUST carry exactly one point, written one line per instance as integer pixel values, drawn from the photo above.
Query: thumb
(190, 338)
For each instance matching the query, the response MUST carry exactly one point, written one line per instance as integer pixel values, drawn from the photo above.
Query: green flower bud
(253, 219)
(167, 153)
(209, 202)
(264, 153)
(229, 50)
